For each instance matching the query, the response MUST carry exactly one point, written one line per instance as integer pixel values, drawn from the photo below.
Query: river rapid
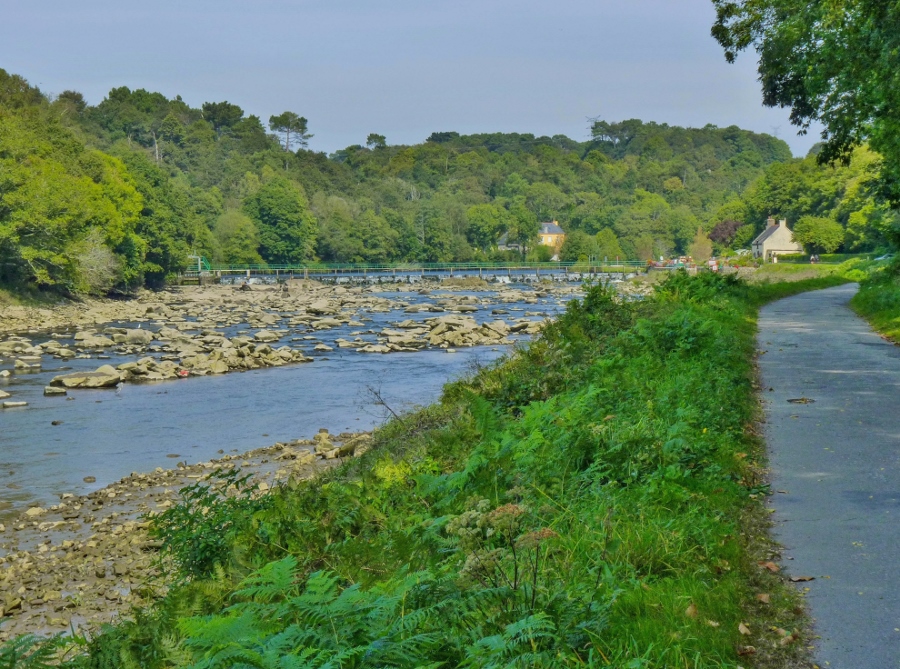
(52, 445)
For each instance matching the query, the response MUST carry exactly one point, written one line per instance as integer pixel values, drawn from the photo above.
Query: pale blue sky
(403, 68)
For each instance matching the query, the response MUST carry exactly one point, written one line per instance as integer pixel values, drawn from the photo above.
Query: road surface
(836, 470)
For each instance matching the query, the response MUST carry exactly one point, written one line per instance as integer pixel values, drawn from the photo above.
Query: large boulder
(105, 377)
(96, 341)
(218, 367)
(321, 308)
(138, 336)
(266, 336)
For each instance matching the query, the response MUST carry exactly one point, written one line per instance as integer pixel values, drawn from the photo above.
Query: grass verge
(593, 501)
(878, 300)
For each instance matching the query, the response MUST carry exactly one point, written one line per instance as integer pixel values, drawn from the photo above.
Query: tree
(486, 222)
(222, 115)
(608, 245)
(287, 229)
(238, 239)
(832, 61)
(701, 248)
(546, 200)
(643, 248)
(578, 246)
(724, 231)
(819, 235)
(442, 137)
(72, 100)
(744, 236)
(16, 92)
(524, 225)
(375, 141)
(291, 127)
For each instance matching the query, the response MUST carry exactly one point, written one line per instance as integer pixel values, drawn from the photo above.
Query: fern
(30, 652)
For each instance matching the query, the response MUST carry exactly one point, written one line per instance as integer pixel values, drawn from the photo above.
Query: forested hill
(118, 194)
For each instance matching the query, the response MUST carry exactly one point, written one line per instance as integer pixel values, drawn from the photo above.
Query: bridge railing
(626, 265)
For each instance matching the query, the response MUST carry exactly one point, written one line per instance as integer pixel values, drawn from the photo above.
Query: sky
(404, 68)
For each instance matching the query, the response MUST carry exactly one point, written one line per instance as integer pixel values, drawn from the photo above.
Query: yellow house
(552, 235)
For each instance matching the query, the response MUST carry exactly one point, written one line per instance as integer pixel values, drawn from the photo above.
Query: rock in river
(105, 377)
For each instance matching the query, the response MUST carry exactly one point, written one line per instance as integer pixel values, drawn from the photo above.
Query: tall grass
(583, 503)
(878, 300)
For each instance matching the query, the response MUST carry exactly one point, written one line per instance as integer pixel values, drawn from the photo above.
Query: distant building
(775, 240)
(503, 244)
(552, 235)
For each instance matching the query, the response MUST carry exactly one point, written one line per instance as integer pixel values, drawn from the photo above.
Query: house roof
(551, 229)
(765, 234)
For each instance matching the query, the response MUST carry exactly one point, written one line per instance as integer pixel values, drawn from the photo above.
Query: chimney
(783, 223)
(770, 222)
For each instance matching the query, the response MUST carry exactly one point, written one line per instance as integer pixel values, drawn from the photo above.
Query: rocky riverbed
(89, 559)
(218, 329)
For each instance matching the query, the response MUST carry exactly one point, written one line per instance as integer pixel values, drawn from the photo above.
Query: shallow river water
(50, 446)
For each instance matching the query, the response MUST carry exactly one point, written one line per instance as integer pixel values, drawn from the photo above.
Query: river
(50, 446)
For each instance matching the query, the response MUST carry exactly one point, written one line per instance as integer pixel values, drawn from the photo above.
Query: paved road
(838, 461)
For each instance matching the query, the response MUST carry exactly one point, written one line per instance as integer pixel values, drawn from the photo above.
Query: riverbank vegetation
(878, 299)
(112, 196)
(595, 500)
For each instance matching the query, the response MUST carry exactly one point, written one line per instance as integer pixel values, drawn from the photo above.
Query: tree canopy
(832, 61)
(140, 181)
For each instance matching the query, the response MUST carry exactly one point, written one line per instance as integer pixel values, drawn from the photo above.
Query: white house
(775, 240)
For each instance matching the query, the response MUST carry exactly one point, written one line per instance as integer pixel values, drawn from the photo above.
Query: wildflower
(536, 538)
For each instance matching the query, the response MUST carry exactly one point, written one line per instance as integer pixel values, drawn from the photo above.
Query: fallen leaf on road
(802, 579)
(743, 629)
(763, 597)
(801, 400)
(771, 566)
(746, 650)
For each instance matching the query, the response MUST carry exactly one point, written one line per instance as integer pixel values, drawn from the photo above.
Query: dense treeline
(118, 194)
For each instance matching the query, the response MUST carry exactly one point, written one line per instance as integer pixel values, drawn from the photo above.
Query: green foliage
(198, 534)
(486, 223)
(292, 127)
(878, 299)
(237, 239)
(54, 196)
(637, 190)
(819, 234)
(29, 651)
(376, 141)
(287, 229)
(579, 245)
(701, 248)
(831, 62)
(608, 245)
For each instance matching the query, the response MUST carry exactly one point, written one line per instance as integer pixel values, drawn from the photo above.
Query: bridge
(202, 271)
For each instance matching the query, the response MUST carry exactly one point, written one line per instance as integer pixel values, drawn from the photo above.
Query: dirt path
(835, 457)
